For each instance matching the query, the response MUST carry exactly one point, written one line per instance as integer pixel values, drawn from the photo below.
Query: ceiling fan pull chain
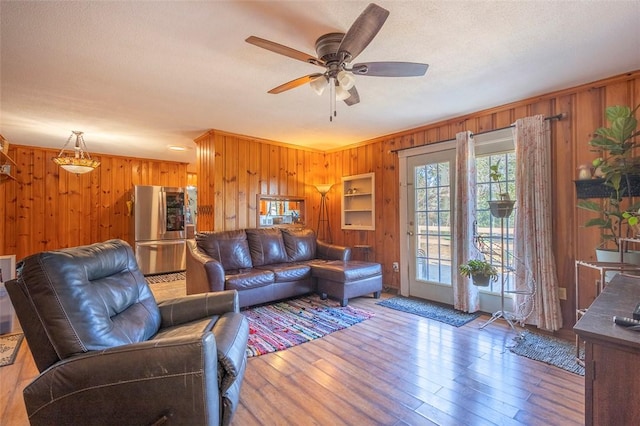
(332, 98)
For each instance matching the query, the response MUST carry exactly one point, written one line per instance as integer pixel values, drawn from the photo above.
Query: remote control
(627, 322)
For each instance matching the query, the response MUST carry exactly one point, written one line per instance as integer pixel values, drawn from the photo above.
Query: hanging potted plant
(480, 271)
(503, 206)
(619, 169)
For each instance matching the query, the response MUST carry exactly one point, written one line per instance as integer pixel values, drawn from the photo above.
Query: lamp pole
(323, 214)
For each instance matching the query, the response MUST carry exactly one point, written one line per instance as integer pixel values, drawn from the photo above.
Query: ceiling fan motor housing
(327, 48)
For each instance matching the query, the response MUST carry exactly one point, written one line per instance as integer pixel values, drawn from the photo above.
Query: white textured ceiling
(139, 76)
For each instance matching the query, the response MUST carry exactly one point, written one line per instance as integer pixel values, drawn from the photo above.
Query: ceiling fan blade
(390, 69)
(354, 98)
(362, 31)
(295, 83)
(284, 50)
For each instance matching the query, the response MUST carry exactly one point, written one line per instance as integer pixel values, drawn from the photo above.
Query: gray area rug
(428, 309)
(548, 349)
(165, 278)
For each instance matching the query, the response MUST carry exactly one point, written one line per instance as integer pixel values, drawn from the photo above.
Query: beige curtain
(465, 294)
(535, 262)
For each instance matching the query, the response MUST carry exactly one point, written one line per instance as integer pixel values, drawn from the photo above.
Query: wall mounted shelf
(359, 202)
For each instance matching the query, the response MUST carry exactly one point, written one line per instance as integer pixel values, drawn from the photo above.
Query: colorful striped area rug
(288, 323)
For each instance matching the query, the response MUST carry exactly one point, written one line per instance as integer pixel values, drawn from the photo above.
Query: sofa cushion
(252, 278)
(230, 248)
(266, 246)
(300, 244)
(286, 272)
(345, 272)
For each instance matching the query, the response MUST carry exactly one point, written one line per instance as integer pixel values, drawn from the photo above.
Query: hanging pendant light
(79, 160)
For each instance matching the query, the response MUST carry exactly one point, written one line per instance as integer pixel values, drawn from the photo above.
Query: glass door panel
(430, 181)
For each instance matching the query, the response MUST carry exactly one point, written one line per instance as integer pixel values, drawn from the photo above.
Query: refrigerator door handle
(162, 199)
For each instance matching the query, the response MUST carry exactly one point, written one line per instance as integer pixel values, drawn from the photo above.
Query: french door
(431, 203)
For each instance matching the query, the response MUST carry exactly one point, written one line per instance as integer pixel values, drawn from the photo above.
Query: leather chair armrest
(332, 251)
(204, 273)
(232, 332)
(131, 384)
(189, 308)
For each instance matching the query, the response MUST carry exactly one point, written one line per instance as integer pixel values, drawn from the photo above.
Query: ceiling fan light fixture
(342, 93)
(346, 80)
(318, 85)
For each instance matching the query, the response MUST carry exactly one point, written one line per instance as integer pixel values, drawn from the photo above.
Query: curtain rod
(553, 117)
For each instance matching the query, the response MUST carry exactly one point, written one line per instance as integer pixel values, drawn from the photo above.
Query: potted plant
(480, 271)
(504, 205)
(618, 167)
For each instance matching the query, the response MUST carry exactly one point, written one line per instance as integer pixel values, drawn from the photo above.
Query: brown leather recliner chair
(109, 354)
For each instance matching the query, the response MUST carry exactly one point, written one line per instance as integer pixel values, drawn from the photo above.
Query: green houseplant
(617, 166)
(480, 271)
(502, 207)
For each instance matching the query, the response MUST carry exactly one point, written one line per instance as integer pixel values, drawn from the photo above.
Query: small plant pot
(481, 280)
(501, 208)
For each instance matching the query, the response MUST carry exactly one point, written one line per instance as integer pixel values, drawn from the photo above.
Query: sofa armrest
(328, 251)
(189, 308)
(204, 273)
(139, 383)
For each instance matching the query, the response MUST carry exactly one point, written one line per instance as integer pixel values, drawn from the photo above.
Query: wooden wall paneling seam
(218, 199)
(36, 219)
(242, 176)
(564, 203)
(253, 182)
(21, 192)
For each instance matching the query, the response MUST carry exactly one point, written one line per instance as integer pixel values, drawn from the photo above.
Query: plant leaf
(622, 128)
(617, 111)
(598, 221)
(589, 205)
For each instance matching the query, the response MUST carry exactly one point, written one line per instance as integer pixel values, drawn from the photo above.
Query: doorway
(430, 205)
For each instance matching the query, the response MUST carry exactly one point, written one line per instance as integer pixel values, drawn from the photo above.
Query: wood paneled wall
(232, 169)
(48, 208)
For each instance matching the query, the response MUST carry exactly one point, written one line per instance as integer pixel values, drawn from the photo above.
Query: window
(489, 228)
(495, 148)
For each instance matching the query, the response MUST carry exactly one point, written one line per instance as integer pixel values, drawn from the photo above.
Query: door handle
(410, 233)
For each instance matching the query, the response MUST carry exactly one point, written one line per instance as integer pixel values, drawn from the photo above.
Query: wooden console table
(612, 355)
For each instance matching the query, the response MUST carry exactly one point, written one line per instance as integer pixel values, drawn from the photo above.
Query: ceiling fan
(335, 53)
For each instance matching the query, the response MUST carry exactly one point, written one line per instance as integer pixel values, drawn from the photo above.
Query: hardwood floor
(393, 369)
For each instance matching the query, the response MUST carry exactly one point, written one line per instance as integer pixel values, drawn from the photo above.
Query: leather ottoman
(343, 280)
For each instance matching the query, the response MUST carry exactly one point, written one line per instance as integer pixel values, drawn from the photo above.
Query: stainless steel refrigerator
(159, 228)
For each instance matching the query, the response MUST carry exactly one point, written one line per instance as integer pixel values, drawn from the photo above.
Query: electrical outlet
(396, 267)
(562, 293)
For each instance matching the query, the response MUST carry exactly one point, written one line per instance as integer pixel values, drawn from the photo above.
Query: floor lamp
(323, 213)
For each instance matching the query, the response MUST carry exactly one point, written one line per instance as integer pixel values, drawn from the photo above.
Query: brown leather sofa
(263, 264)
(108, 354)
